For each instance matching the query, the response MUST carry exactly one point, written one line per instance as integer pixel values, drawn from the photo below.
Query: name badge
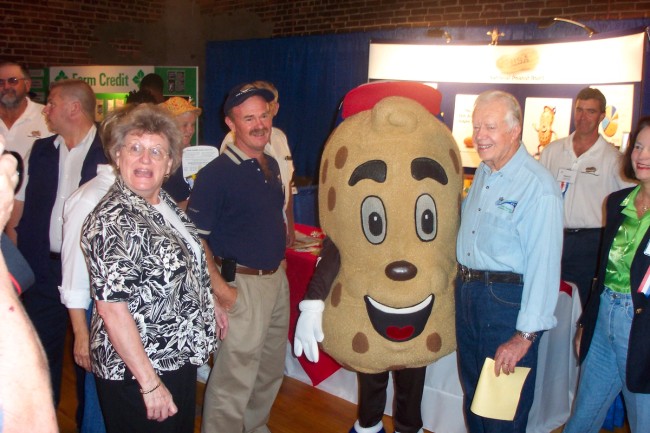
(566, 175)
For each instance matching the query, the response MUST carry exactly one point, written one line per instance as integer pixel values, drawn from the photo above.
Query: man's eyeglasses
(136, 150)
(11, 81)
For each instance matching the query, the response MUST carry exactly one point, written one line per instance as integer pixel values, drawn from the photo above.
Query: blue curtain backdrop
(313, 73)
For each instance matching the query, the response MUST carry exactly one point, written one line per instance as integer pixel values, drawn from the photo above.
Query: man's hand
(291, 238)
(510, 353)
(576, 341)
(226, 294)
(82, 351)
(221, 316)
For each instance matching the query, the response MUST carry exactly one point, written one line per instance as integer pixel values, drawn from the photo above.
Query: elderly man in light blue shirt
(509, 249)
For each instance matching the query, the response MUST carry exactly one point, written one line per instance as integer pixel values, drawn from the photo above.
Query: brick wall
(63, 32)
(41, 33)
(302, 17)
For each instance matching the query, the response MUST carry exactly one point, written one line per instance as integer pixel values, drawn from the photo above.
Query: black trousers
(50, 318)
(580, 253)
(124, 410)
(408, 386)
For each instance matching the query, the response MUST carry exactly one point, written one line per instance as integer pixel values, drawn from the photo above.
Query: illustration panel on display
(462, 129)
(545, 120)
(617, 123)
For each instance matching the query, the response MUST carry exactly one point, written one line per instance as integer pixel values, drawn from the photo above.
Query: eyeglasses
(136, 150)
(13, 81)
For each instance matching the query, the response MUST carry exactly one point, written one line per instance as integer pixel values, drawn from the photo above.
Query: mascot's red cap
(366, 96)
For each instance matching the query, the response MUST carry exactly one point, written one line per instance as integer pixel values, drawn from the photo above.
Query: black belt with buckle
(586, 230)
(467, 275)
(246, 270)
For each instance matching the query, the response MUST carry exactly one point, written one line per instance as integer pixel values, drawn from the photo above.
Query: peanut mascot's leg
(409, 385)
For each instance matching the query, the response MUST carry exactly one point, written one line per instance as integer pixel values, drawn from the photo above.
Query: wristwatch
(530, 336)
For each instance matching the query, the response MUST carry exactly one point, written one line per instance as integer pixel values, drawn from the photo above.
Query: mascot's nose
(401, 271)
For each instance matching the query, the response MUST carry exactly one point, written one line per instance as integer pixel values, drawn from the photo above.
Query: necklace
(641, 205)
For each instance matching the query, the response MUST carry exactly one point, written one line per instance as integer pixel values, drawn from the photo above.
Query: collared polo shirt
(597, 174)
(27, 128)
(238, 211)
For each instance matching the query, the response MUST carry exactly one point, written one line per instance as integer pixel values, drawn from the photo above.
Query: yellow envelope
(498, 397)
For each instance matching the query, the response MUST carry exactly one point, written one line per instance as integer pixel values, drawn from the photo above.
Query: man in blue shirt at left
(509, 249)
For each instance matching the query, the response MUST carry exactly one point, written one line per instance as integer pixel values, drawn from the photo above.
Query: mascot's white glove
(309, 330)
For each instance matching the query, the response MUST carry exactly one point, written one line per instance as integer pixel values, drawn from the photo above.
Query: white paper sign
(197, 157)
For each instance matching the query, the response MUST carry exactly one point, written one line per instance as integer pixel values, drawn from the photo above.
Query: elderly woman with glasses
(154, 319)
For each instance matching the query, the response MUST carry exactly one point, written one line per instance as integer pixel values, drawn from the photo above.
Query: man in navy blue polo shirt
(237, 204)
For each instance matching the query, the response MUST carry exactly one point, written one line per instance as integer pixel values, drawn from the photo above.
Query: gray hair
(140, 119)
(513, 109)
(79, 90)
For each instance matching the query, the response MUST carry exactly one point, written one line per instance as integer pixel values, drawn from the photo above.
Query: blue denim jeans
(92, 421)
(486, 317)
(602, 374)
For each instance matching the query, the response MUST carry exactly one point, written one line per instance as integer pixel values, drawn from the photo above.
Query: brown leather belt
(246, 270)
(467, 275)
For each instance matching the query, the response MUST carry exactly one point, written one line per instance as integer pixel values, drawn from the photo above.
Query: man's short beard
(10, 105)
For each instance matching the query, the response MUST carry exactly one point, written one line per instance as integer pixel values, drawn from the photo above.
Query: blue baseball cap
(242, 92)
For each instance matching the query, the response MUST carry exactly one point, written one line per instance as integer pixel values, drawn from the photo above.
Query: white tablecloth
(442, 401)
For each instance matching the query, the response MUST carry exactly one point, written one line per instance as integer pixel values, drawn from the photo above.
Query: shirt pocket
(497, 236)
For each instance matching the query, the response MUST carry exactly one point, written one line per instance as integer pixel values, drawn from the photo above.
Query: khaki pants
(249, 365)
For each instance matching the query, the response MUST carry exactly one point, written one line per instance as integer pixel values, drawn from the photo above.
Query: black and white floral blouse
(135, 256)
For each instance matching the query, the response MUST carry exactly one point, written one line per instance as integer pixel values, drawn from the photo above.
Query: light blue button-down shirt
(512, 221)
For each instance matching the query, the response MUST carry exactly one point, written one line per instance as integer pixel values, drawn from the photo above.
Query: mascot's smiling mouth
(399, 324)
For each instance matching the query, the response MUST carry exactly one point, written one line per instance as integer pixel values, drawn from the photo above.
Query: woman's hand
(159, 403)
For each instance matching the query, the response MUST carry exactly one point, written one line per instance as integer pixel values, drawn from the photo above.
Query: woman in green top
(613, 343)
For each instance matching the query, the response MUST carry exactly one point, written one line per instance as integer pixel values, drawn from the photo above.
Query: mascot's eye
(373, 219)
(426, 220)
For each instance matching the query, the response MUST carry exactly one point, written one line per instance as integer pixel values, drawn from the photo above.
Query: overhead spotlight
(439, 33)
(550, 21)
(495, 35)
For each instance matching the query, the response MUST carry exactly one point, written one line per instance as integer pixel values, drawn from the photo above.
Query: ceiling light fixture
(550, 21)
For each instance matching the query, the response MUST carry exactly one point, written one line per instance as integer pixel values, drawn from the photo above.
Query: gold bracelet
(143, 392)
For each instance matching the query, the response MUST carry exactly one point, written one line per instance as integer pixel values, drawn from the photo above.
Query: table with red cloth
(301, 262)
(443, 397)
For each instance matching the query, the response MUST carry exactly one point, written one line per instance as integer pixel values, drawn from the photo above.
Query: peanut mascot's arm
(309, 330)
(327, 268)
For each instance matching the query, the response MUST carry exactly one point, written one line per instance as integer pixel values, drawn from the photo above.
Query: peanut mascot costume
(382, 299)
